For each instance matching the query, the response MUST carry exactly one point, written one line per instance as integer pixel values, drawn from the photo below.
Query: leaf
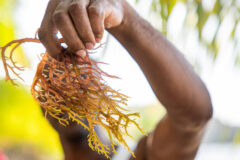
(171, 5)
(165, 7)
(202, 18)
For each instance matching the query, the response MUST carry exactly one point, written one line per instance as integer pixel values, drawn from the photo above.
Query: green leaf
(202, 18)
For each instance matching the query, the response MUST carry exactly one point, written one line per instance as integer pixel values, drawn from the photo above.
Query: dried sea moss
(77, 90)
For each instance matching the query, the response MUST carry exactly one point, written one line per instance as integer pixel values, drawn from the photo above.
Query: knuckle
(59, 17)
(95, 11)
(75, 8)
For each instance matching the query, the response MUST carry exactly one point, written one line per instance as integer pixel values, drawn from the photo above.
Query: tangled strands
(11, 66)
(77, 92)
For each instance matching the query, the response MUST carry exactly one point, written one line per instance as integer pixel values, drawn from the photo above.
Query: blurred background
(206, 31)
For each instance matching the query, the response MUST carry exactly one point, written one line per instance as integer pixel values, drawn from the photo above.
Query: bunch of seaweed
(78, 91)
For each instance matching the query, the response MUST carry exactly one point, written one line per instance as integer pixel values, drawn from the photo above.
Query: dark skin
(186, 99)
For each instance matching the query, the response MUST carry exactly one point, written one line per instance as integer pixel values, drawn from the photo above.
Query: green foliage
(237, 137)
(21, 121)
(221, 9)
(7, 28)
(150, 116)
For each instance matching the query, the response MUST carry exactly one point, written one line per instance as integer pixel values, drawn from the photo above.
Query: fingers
(64, 24)
(80, 56)
(47, 32)
(96, 18)
(80, 23)
(79, 15)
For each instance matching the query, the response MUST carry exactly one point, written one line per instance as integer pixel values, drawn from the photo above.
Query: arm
(178, 88)
(172, 79)
(188, 105)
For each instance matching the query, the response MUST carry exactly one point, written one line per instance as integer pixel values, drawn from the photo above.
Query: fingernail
(81, 53)
(89, 45)
(98, 40)
(79, 60)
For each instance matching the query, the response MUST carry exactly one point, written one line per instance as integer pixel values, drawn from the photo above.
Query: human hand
(80, 22)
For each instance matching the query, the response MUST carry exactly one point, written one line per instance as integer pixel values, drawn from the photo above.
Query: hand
(81, 23)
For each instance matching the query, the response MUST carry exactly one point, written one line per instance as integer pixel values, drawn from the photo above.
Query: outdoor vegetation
(26, 134)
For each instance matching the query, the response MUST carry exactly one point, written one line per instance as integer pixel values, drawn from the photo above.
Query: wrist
(129, 15)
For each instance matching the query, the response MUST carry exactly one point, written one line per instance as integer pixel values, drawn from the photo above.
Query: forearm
(171, 77)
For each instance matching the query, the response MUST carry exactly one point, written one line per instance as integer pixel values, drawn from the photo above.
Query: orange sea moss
(78, 91)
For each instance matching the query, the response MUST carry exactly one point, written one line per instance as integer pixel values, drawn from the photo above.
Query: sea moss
(76, 91)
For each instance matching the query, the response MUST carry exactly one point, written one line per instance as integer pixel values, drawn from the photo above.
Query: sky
(222, 77)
